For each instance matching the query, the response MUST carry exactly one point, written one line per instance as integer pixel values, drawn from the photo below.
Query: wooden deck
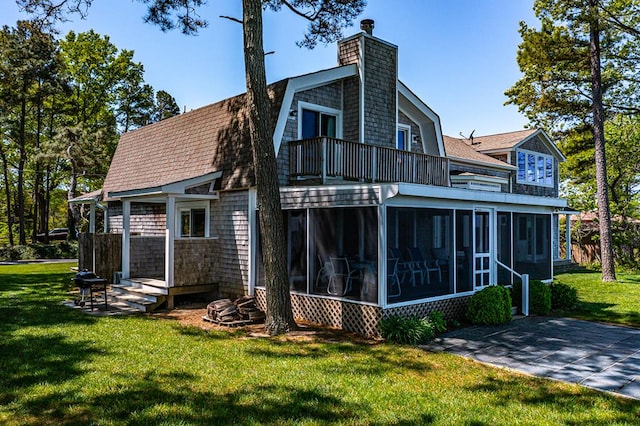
(326, 158)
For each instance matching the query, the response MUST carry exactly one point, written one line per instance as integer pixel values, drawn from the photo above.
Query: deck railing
(326, 157)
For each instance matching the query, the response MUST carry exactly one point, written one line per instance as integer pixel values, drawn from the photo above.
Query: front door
(483, 244)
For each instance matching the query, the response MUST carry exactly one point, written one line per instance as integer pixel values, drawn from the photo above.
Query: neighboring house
(383, 214)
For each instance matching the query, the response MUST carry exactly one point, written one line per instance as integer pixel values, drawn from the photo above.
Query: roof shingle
(502, 140)
(212, 138)
(458, 148)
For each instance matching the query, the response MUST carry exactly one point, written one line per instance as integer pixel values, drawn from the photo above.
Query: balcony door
(483, 248)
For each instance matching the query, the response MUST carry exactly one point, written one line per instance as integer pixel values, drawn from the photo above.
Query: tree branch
(617, 22)
(231, 18)
(311, 17)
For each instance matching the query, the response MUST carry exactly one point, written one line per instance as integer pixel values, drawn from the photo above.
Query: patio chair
(426, 265)
(324, 275)
(403, 268)
(340, 271)
(392, 277)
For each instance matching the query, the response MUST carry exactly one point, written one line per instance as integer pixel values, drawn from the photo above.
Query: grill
(88, 282)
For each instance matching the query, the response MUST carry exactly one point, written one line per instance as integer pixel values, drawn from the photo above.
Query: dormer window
(535, 168)
(316, 120)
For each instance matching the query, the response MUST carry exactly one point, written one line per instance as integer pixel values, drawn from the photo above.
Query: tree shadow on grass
(36, 300)
(169, 398)
(356, 358)
(28, 360)
(602, 312)
(580, 402)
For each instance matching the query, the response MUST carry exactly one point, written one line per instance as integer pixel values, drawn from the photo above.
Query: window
(317, 120)
(192, 220)
(404, 137)
(535, 168)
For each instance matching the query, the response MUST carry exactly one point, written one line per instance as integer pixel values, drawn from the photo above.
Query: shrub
(438, 321)
(539, 297)
(563, 296)
(62, 250)
(407, 330)
(490, 306)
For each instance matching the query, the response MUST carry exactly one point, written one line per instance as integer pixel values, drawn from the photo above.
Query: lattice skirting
(453, 308)
(356, 317)
(359, 318)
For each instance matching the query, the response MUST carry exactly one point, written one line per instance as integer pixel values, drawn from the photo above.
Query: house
(383, 214)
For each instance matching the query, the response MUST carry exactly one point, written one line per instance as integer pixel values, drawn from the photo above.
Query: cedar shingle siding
(146, 218)
(380, 61)
(147, 257)
(230, 223)
(196, 261)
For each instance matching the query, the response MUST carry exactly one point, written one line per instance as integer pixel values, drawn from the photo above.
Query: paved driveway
(599, 356)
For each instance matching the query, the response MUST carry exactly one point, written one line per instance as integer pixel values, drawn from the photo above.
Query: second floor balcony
(330, 159)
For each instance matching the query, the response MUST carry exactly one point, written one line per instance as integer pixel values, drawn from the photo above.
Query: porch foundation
(358, 317)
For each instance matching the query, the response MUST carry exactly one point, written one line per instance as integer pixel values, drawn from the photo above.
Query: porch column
(170, 234)
(568, 237)
(126, 237)
(383, 277)
(92, 218)
(92, 232)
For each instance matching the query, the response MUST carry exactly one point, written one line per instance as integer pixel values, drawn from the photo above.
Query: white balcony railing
(334, 158)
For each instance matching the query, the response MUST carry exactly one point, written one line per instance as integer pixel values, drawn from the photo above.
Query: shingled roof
(502, 141)
(209, 139)
(458, 149)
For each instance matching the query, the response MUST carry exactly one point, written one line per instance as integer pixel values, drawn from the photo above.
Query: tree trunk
(279, 318)
(73, 213)
(22, 160)
(604, 214)
(7, 192)
(38, 195)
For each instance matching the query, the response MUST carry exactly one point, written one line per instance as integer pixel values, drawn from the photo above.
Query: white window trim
(188, 206)
(536, 183)
(321, 109)
(409, 141)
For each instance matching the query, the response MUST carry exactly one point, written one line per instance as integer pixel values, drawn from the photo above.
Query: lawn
(616, 303)
(60, 366)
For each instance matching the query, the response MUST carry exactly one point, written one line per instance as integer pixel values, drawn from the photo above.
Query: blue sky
(458, 56)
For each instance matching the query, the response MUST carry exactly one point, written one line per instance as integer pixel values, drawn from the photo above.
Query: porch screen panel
(421, 239)
(344, 247)
(296, 231)
(504, 247)
(464, 251)
(323, 246)
(532, 245)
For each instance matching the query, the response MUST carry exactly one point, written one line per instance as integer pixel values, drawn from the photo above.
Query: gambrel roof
(214, 138)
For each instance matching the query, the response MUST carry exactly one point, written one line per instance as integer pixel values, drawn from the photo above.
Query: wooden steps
(143, 294)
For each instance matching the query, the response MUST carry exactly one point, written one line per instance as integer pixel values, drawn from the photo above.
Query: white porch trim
(126, 238)
(170, 236)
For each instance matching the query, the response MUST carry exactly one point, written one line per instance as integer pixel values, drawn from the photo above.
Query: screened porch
(422, 253)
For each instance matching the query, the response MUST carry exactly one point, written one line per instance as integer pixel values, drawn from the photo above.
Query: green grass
(615, 303)
(59, 366)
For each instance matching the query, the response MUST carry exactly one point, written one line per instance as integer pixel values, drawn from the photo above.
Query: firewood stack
(243, 311)
(248, 309)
